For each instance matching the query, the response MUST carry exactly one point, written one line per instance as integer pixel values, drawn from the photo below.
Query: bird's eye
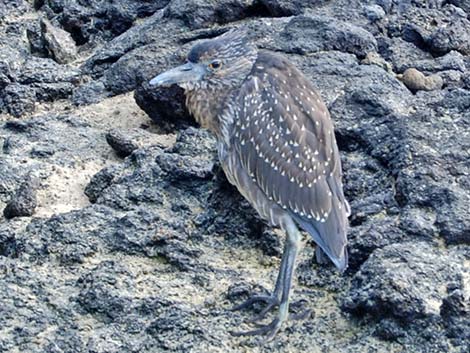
(216, 64)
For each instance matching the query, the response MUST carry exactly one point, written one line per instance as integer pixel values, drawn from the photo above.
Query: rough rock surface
(23, 203)
(130, 239)
(58, 43)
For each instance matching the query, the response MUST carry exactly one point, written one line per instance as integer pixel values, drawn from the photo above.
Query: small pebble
(417, 81)
(23, 203)
(119, 143)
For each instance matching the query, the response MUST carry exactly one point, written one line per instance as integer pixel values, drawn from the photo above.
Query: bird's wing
(285, 141)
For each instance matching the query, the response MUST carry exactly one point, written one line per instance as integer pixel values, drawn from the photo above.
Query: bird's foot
(270, 300)
(271, 329)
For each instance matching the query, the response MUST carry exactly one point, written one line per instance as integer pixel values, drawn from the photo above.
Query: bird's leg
(271, 300)
(283, 284)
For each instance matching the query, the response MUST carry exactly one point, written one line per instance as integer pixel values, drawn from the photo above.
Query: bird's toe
(269, 331)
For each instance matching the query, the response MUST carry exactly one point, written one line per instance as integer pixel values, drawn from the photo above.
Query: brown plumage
(276, 144)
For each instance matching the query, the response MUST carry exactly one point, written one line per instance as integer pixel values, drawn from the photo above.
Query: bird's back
(284, 141)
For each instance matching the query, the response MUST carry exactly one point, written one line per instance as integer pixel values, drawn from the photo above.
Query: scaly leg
(282, 288)
(272, 300)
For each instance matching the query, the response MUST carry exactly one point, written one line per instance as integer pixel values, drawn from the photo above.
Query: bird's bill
(189, 72)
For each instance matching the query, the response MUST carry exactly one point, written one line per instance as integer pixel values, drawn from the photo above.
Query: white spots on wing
(277, 130)
(255, 81)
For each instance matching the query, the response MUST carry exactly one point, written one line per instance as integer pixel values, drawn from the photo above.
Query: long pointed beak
(189, 72)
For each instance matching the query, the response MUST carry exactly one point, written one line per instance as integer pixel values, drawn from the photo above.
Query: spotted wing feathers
(285, 141)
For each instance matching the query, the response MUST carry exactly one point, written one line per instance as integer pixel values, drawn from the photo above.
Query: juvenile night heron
(276, 145)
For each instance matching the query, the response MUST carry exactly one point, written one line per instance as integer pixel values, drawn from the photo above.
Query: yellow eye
(216, 64)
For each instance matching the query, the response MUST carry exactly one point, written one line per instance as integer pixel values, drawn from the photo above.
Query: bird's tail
(330, 237)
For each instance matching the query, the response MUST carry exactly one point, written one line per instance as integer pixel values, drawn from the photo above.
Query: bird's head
(219, 62)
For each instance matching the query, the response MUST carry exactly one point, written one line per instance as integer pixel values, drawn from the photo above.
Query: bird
(276, 144)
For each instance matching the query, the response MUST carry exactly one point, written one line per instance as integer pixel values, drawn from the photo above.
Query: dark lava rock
(282, 8)
(58, 43)
(11, 177)
(403, 287)
(93, 21)
(463, 4)
(37, 80)
(136, 56)
(309, 34)
(374, 12)
(98, 183)
(17, 99)
(403, 55)
(36, 39)
(454, 37)
(166, 106)
(403, 281)
(123, 146)
(44, 70)
(102, 290)
(202, 13)
(23, 203)
(89, 93)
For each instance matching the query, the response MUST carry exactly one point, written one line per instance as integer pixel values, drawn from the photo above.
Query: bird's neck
(207, 107)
